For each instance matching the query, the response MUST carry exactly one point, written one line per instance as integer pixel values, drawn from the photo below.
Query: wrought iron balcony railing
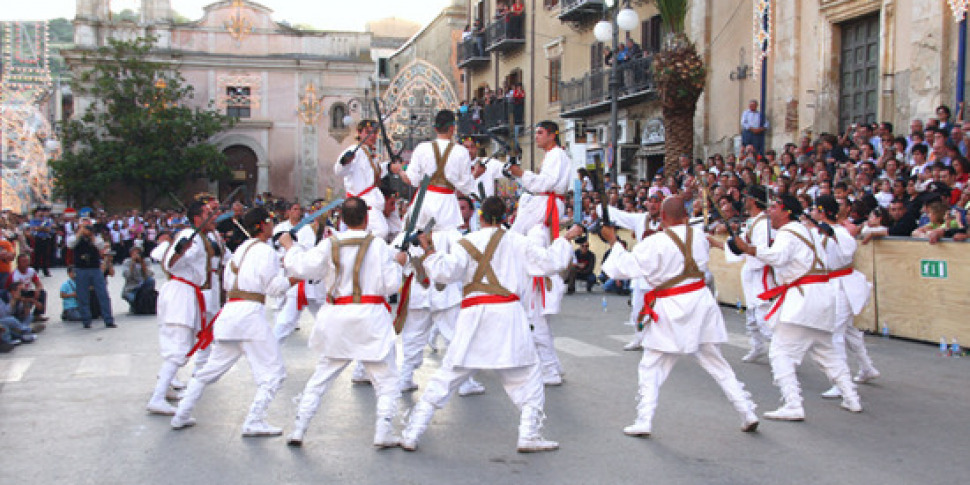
(590, 94)
(575, 10)
(471, 52)
(505, 33)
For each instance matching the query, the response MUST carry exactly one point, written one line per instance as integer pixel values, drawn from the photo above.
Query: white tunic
(839, 253)
(810, 305)
(442, 207)
(636, 222)
(544, 296)
(358, 176)
(495, 335)
(306, 238)
(177, 301)
(258, 273)
(686, 320)
(553, 176)
(354, 331)
(493, 172)
(753, 278)
(213, 296)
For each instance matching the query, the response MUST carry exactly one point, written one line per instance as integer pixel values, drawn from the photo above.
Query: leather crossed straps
(484, 280)
(438, 177)
(670, 287)
(817, 274)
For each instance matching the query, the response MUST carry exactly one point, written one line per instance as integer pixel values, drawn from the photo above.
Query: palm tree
(680, 74)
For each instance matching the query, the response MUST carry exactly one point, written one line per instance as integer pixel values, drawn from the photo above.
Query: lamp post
(609, 31)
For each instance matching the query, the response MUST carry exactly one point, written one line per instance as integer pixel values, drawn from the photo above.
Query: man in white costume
(492, 331)
(642, 225)
(449, 168)
(485, 170)
(218, 255)
(241, 328)
(303, 294)
(362, 172)
(181, 309)
(803, 316)
(548, 188)
(361, 271)
(680, 315)
(839, 247)
(756, 276)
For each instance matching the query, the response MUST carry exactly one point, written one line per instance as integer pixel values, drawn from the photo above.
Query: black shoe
(87, 325)
(6, 347)
(110, 325)
(47, 273)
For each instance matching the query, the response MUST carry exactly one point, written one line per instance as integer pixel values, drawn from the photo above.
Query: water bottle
(739, 307)
(944, 348)
(955, 348)
(885, 330)
(604, 304)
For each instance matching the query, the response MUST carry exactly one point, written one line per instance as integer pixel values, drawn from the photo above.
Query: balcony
(505, 34)
(470, 127)
(590, 94)
(496, 116)
(471, 53)
(579, 10)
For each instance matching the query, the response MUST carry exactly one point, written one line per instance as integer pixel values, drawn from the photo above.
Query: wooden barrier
(919, 290)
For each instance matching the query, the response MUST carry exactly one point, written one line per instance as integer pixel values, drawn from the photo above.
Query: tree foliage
(138, 133)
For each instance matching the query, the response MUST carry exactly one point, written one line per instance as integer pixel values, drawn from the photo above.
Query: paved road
(72, 411)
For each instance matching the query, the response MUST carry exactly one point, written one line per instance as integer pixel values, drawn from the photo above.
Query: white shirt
(258, 272)
(752, 119)
(358, 176)
(442, 207)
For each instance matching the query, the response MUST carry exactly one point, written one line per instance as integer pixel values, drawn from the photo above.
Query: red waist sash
(651, 297)
(364, 299)
(487, 299)
(780, 291)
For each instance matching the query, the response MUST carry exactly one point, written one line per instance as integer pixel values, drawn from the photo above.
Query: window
(652, 30)
(550, 4)
(238, 102)
(337, 114)
(555, 76)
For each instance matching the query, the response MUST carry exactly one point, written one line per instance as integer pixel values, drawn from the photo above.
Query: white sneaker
(261, 428)
(470, 388)
(553, 380)
(536, 444)
(788, 412)
(179, 423)
(635, 344)
(639, 428)
(163, 408)
(754, 354)
(833, 393)
(295, 438)
(177, 384)
(384, 436)
(866, 375)
(851, 405)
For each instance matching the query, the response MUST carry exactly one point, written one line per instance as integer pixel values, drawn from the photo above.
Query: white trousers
(790, 343)
(414, 336)
(545, 346)
(655, 366)
(288, 316)
(264, 356)
(522, 384)
(382, 373)
(174, 342)
(636, 304)
(849, 338)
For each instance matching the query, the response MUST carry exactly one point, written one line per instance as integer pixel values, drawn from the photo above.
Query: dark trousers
(43, 249)
(92, 278)
(574, 275)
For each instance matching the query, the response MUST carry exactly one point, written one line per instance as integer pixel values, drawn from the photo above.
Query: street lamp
(609, 31)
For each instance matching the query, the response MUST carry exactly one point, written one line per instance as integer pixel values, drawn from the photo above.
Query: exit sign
(932, 268)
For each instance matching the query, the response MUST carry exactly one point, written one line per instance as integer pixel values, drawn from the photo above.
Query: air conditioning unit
(624, 135)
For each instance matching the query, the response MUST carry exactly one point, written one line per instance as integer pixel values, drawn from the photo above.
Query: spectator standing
(89, 274)
(42, 229)
(753, 127)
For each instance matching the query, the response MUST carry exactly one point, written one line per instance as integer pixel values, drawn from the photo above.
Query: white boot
(157, 404)
(183, 416)
(305, 412)
(792, 410)
(755, 354)
(432, 338)
(384, 436)
(421, 415)
(832, 393)
(360, 375)
(741, 399)
(850, 397)
(407, 379)
(256, 424)
(530, 423)
(643, 426)
(177, 384)
(636, 343)
(471, 387)
(866, 375)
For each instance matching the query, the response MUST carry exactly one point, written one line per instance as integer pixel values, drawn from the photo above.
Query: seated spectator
(71, 312)
(139, 290)
(6, 258)
(16, 315)
(582, 268)
(610, 285)
(32, 287)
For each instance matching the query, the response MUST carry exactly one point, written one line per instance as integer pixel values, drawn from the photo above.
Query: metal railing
(495, 116)
(471, 51)
(467, 125)
(636, 78)
(505, 33)
(574, 9)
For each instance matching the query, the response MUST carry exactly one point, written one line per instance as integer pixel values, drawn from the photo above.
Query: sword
(415, 212)
(413, 238)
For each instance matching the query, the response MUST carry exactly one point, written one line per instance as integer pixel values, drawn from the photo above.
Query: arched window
(337, 113)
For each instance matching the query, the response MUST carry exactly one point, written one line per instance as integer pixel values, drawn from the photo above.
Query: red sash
(487, 299)
(440, 190)
(205, 336)
(301, 299)
(539, 284)
(651, 297)
(552, 212)
(198, 296)
(780, 291)
(364, 299)
(365, 191)
(840, 273)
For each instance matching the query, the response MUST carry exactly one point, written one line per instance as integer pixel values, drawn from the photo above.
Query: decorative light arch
(420, 89)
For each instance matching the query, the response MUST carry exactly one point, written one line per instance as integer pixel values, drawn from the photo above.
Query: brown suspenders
(438, 178)
(362, 243)
(484, 279)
